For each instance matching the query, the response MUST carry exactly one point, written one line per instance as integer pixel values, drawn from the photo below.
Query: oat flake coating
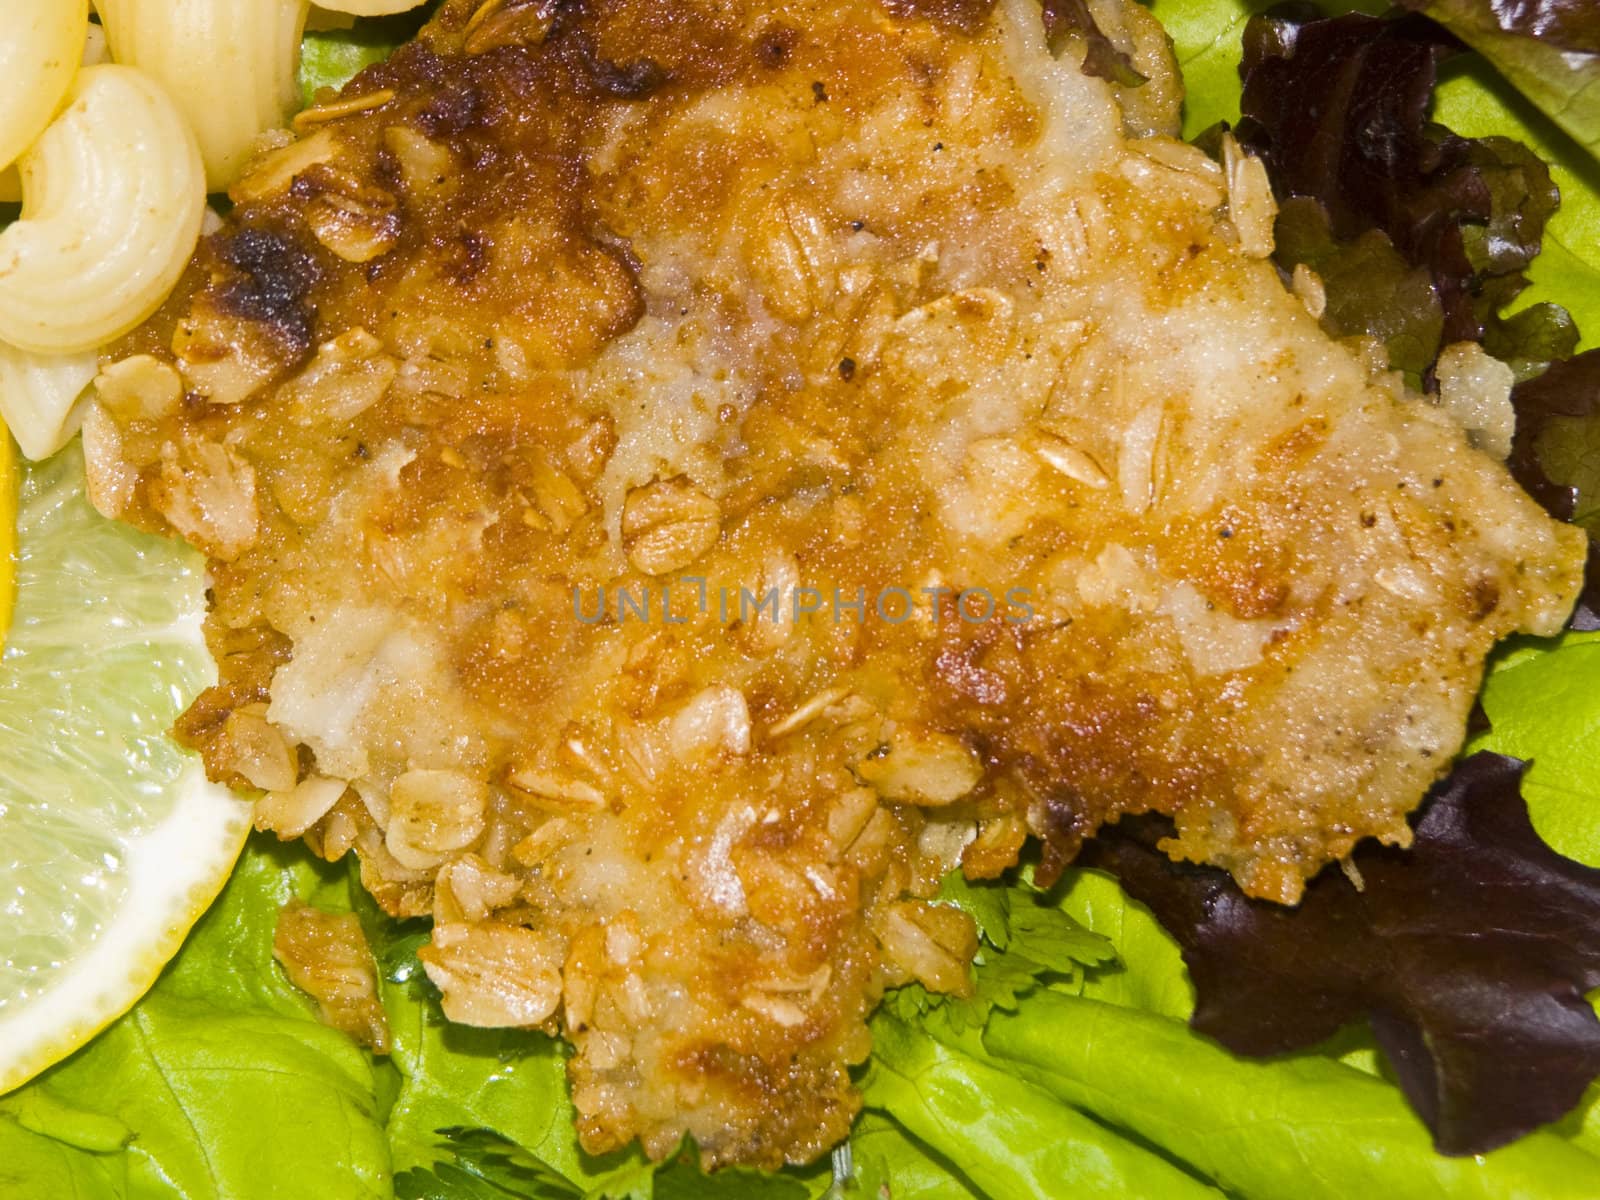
(666, 298)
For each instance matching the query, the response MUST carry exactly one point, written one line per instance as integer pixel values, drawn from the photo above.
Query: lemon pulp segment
(112, 842)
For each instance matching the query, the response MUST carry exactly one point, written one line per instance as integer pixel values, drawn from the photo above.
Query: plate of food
(886, 598)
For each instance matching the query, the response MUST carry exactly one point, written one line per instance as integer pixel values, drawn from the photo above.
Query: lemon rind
(176, 869)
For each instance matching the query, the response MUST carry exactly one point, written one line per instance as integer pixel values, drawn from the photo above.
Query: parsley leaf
(486, 1166)
(1025, 941)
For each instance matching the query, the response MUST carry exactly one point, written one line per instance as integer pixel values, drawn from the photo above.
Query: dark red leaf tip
(1470, 954)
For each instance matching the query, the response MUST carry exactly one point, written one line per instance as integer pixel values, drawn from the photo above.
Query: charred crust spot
(564, 18)
(456, 106)
(629, 81)
(819, 92)
(776, 45)
(847, 369)
(1485, 598)
(621, 81)
(272, 277)
(386, 171)
(464, 256)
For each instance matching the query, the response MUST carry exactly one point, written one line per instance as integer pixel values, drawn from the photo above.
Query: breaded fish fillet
(681, 475)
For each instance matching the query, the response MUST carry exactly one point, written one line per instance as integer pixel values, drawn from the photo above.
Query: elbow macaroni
(230, 64)
(113, 188)
(113, 198)
(95, 51)
(39, 53)
(39, 397)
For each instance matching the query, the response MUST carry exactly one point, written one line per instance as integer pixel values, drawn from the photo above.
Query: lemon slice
(112, 842)
(8, 530)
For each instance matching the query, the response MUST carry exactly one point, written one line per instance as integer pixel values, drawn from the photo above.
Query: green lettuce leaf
(1471, 99)
(218, 1079)
(1304, 1125)
(885, 1156)
(460, 1077)
(1548, 49)
(481, 1108)
(330, 58)
(1207, 40)
(222, 1084)
(1474, 102)
(1149, 973)
(487, 1166)
(1544, 707)
(1014, 1141)
(1469, 955)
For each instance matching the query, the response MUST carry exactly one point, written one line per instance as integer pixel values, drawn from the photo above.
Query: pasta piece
(230, 64)
(39, 397)
(95, 51)
(369, 8)
(113, 197)
(39, 55)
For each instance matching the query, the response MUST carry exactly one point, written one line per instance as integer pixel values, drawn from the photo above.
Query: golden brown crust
(567, 303)
(326, 956)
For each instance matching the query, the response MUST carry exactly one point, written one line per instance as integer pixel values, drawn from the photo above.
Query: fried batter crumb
(326, 956)
(680, 477)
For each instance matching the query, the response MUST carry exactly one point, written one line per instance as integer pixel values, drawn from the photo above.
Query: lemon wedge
(112, 841)
(8, 531)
